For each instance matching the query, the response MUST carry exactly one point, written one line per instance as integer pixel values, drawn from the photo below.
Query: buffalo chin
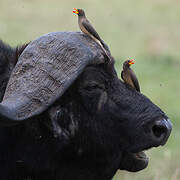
(134, 162)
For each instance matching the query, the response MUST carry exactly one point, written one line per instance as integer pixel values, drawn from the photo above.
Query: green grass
(145, 30)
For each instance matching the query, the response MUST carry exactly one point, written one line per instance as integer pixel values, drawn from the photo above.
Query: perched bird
(88, 29)
(129, 76)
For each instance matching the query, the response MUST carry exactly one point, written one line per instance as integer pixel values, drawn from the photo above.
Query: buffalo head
(64, 80)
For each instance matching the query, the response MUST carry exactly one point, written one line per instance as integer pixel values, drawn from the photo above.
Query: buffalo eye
(93, 86)
(92, 96)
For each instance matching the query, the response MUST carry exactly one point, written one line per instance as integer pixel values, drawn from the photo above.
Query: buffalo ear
(55, 114)
(102, 100)
(63, 132)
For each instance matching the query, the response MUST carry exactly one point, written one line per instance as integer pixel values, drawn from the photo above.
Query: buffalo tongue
(141, 155)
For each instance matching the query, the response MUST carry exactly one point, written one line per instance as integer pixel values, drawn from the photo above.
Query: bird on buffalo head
(129, 76)
(88, 29)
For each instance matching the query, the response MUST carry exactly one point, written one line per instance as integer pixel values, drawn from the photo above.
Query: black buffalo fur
(8, 59)
(18, 52)
(7, 56)
(90, 133)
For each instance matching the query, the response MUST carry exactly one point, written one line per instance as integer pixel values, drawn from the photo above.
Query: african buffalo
(66, 115)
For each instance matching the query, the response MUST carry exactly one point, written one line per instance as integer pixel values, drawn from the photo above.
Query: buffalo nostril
(158, 130)
(161, 130)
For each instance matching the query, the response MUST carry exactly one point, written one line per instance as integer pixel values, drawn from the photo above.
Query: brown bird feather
(88, 29)
(129, 76)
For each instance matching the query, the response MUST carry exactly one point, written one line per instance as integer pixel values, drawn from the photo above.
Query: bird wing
(91, 30)
(135, 81)
(122, 75)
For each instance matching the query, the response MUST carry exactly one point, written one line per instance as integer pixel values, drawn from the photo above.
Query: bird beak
(131, 61)
(75, 11)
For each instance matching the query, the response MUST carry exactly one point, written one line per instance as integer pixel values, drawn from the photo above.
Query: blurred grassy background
(148, 31)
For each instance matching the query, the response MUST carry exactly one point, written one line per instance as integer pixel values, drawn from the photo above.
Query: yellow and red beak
(75, 11)
(132, 61)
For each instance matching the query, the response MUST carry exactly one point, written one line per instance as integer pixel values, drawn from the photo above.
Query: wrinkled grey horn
(46, 68)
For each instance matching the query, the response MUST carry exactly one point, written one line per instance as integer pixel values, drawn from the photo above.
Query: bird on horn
(88, 29)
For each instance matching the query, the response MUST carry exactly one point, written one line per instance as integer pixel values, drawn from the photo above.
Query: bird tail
(107, 54)
(101, 43)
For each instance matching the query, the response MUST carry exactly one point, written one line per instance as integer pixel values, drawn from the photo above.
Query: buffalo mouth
(134, 162)
(141, 156)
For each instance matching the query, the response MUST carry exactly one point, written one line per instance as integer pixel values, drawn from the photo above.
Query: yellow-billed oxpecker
(88, 29)
(129, 76)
